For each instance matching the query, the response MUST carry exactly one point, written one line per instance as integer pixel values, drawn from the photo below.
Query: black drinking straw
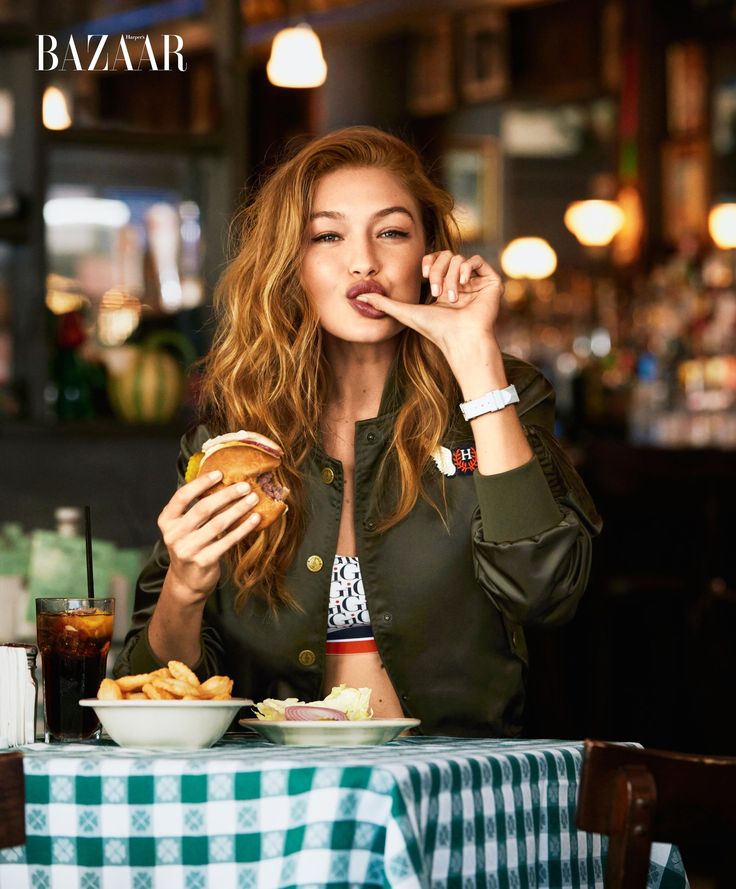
(88, 544)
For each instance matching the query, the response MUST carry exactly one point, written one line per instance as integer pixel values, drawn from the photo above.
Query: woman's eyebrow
(379, 214)
(326, 214)
(389, 210)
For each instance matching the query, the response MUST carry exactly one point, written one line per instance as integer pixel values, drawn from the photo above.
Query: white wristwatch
(495, 400)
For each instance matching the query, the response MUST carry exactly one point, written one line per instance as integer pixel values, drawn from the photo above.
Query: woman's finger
(218, 549)
(477, 266)
(405, 313)
(175, 529)
(438, 270)
(452, 278)
(187, 494)
(427, 261)
(194, 542)
(208, 506)
(469, 266)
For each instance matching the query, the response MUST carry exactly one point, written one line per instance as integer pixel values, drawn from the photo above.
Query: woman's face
(364, 234)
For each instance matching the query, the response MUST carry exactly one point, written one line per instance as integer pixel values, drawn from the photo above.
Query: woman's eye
(325, 237)
(394, 233)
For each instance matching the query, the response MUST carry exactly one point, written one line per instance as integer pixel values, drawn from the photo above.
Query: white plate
(328, 733)
(166, 725)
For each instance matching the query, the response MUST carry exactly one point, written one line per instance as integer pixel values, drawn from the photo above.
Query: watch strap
(495, 400)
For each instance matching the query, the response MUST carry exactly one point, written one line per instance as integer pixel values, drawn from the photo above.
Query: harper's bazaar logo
(129, 52)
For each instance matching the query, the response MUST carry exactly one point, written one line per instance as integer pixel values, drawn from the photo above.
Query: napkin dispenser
(18, 694)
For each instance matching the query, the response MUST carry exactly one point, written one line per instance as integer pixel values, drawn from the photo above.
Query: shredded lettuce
(354, 703)
(272, 709)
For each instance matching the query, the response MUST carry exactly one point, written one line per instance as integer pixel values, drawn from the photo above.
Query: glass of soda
(74, 637)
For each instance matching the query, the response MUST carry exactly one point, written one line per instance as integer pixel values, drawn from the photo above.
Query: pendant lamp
(722, 225)
(531, 258)
(594, 223)
(296, 58)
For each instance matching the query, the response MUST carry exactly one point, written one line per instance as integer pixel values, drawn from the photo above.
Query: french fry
(133, 683)
(157, 694)
(109, 690)
(180, 671)
(161, 673)
(216, 685)
(176, 682)
(176, 687)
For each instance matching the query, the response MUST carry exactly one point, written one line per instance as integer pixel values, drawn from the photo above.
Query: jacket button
(370, 525)
(370, 437)
(387, 617)
(307, 657)
(314, 563)
(328, 476)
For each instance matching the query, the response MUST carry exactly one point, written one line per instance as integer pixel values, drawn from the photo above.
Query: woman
(349, 330)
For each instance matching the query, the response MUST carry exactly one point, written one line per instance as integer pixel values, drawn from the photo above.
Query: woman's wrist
(176, 624)
(177, 590)
(477, 367)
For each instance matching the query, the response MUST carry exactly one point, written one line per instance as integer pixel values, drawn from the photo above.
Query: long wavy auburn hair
(266, 370)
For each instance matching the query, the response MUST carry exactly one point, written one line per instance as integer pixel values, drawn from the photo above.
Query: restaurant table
(418, 812)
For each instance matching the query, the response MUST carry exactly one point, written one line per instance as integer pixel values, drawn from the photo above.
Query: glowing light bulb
(529, 258)
(722, 225)
(55, 111)
(296, 59)
(594, 223)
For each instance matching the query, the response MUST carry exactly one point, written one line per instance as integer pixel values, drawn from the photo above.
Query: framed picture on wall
(685, 190)
(472, 175)
(430, 89)
(483, 55)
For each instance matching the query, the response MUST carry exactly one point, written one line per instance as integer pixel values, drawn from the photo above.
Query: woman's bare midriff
(364, 670)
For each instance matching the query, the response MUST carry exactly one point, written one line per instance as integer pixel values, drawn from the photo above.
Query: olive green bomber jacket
(447, 604)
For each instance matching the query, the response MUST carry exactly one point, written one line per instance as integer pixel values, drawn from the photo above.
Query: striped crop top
(348, 622)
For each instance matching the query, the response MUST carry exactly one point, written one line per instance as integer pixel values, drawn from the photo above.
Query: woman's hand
(196, 536)
(466, 295)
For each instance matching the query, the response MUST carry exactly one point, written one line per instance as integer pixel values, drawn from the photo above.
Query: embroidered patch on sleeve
(443, 460)
(464, 458)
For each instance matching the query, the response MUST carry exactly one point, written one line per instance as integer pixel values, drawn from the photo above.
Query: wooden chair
(12, 801)
(637, 796)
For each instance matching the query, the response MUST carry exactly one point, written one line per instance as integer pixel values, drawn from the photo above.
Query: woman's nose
(363, 261)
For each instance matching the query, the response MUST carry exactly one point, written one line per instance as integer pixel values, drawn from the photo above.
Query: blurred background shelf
(169, 143)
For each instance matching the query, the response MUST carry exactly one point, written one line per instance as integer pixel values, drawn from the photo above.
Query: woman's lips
(362, 287)
(366, 310)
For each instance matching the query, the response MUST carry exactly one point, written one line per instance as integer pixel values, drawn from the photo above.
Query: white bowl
(166, 725)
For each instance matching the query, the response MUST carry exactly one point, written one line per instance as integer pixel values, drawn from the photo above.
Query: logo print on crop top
(348, 621)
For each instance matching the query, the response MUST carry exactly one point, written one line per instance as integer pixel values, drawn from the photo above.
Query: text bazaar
(99, 49)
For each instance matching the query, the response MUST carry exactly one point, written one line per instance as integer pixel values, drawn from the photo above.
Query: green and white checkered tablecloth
(419, 813)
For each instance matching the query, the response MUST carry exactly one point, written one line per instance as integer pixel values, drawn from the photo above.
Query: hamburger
(244, 457)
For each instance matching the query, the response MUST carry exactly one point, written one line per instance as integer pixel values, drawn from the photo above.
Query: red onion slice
(302, 713)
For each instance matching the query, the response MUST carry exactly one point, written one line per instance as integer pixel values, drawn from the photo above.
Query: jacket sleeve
(532, 530)
(137, 655)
